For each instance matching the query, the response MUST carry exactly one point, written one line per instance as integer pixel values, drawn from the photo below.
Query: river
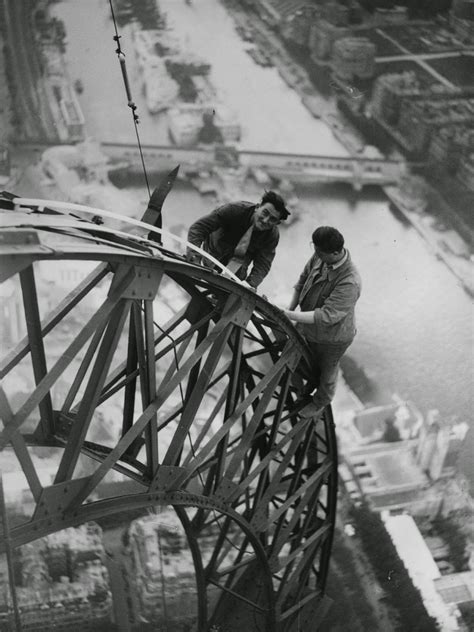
(415, 321)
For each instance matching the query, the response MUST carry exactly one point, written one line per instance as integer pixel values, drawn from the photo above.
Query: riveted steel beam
(38, 356)
(91, 394)
(217, 396)
(20, 449)
(51, 377)
(54, 317)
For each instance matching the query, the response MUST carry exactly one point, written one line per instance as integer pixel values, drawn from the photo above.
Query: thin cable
(131, 104)
(135, 122)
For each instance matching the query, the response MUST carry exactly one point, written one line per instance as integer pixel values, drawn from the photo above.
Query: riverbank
(448, 244)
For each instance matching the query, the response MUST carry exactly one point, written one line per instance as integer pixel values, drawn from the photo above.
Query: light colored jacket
(332, 295)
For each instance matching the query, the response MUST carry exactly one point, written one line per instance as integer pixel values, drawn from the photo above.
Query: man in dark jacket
(326, 293)
(239, 234)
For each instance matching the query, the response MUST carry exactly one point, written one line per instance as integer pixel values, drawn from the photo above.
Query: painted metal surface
(201, 370)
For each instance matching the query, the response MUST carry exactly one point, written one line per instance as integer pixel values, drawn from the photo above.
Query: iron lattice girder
(224, 357)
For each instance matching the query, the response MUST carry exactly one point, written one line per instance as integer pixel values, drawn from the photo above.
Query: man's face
(328, 257)
(265, 216)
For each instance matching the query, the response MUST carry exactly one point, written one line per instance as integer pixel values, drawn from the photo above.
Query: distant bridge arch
(356, 170)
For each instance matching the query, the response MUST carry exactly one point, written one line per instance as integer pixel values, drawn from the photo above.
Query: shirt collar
(335, 266)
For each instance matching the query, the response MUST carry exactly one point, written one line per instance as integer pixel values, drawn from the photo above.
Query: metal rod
(38, 355)
(151, 432)
(54, 317)
(92, 391)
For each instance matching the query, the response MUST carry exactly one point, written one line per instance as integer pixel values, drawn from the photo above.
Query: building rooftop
(457, 587)
(285, 8)
(383, 46)
(396, 469)
(425, 79)
(424, 38)
(397, 500)
(386, 467)
(372, 422)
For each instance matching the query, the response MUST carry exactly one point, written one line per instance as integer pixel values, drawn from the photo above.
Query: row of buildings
(403, 462)
(404, 467)
(160, 569)
(434, 123)
(61, 583)
(409, 80)
(50, 36)
(56, 89)
(318, 25)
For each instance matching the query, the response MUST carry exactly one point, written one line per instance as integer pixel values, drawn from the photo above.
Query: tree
(449, 531)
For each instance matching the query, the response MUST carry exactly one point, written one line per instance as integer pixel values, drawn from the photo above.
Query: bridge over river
(357, 170)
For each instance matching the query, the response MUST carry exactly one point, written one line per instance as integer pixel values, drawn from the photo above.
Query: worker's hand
(248, 286)
(288, 313)
(192, 256)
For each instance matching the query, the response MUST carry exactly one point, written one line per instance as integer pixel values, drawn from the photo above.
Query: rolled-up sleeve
(338, 305)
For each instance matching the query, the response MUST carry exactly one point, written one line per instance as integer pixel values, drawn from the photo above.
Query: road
(408, 56)
(423, 57)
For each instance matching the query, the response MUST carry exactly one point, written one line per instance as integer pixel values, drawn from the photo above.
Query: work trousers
(327, 356)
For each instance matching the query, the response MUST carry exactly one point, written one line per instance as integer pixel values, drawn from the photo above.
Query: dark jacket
(219, 233)
(332, 297)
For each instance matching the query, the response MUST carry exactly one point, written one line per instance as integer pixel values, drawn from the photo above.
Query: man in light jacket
(326, 293)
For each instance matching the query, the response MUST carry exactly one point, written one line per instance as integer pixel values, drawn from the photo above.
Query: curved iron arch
(225, 344)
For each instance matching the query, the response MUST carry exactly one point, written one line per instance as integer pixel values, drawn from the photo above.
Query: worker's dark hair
(328, 239)
(278, 202)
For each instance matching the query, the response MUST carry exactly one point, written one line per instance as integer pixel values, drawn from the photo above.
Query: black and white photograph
(236, 315)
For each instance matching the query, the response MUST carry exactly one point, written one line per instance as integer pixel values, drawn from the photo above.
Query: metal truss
(201, 374)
